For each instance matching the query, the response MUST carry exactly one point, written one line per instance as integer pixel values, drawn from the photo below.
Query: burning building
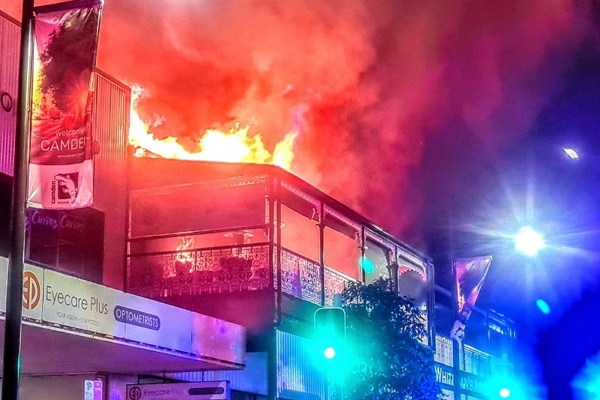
(258, 246)
(201, 252)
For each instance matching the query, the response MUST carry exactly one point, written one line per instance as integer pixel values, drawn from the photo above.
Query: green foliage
(385, 359)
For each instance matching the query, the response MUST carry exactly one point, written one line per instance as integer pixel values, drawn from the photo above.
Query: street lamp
(529, 241)
(571, 153)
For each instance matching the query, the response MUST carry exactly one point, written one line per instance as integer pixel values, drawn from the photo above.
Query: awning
(75, 326)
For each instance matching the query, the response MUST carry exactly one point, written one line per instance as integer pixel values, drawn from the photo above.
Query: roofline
(289, 177)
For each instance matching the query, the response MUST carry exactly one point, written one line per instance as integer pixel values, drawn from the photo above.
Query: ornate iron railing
(471, 360)
(476, 362)
(443, 350)
(300, 277)
(197, 271)
(334, 284)
(229, 269)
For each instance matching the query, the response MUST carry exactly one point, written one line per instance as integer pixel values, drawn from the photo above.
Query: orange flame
(232, 146)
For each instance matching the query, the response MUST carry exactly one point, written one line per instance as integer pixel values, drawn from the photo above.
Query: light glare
(529, 241)
(329, 353)
(366, 264)
(571, 153)
(543, 306)
(504, 393)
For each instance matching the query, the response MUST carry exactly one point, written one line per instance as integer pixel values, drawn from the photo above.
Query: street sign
(92, 390)
(216, 390)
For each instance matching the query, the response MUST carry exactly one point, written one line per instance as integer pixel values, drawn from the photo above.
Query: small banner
(61, 174)
(470, 274)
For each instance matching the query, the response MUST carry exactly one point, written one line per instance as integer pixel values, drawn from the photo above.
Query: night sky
(443, 122)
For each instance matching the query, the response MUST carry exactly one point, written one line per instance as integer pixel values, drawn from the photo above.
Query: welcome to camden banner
(61, 166)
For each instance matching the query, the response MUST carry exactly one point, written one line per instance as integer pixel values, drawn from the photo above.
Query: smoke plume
(362, 80)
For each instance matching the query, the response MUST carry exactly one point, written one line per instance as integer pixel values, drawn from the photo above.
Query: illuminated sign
(65, 302)
(31, 290)
(469, 383)
(444, 376)
(138, 318)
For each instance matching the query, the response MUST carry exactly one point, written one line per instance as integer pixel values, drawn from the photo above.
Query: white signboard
(92, 390)
(217, 390)
(69, 302)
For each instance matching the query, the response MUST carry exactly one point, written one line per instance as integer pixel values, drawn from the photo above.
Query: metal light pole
(12, 334)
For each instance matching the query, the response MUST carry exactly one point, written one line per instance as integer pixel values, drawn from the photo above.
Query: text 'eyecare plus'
(74, 301)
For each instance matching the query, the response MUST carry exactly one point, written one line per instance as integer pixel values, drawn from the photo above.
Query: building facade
(192, 271)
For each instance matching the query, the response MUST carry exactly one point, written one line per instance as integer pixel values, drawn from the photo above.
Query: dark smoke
(372, 75)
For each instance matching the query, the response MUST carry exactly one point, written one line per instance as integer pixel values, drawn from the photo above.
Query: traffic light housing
(330, 335)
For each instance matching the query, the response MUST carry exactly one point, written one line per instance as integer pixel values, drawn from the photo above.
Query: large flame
(235, 145)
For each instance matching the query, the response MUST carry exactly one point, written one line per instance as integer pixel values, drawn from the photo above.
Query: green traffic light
(330, 336)
(329, 353)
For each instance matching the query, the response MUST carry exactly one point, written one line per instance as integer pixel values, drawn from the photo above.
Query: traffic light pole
(14, 297)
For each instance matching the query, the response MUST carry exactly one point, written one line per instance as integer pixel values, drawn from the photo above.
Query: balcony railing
(476, 362)
(473, 361)
(301, 278)
(199, 271)
(230, 269)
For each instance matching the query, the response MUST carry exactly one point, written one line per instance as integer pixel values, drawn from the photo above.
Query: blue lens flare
(367, 265)
(543, 306)
(586, 383)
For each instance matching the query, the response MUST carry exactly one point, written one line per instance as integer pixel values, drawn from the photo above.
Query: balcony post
(321, 227)
(278, 248)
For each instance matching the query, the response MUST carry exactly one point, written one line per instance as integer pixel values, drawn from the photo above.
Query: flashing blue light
(504, 393)
(366, 264)
(529, 241)
(586, 383)
(543, 306)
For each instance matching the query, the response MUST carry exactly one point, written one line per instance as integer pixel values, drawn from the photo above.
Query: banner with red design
(61, 171)
(470, 274)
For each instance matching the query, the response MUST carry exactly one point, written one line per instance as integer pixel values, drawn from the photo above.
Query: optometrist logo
(32, 292)
(135, 393)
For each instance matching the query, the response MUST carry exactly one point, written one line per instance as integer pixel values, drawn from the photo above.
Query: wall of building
(110, 131)
(116, 387)
(9, 82)
(64, 387)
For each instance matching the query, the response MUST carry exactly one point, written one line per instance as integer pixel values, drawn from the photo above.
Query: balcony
(477, 368)
(251, 244)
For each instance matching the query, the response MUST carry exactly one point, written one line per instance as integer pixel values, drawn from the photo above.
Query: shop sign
(52, 298)
(92, 390)
(444, 376)
(217, 390)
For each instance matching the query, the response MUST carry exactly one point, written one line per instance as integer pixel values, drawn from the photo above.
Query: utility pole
(14, 297)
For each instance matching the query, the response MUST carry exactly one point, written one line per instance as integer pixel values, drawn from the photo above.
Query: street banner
(470, 274)
(61, 166)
